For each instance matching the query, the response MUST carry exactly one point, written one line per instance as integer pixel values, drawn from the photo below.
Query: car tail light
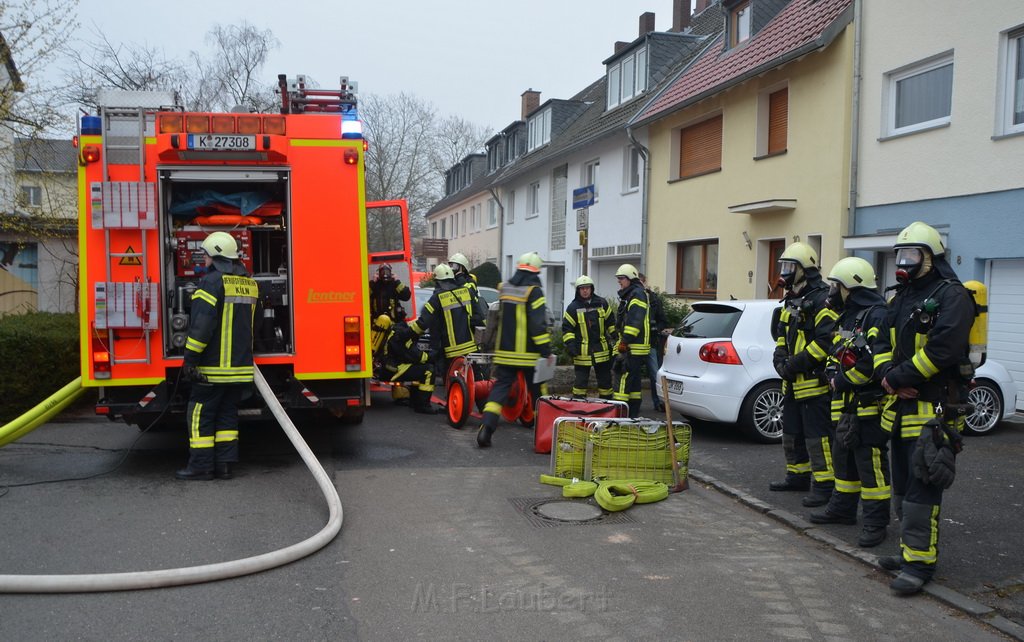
(720, 352)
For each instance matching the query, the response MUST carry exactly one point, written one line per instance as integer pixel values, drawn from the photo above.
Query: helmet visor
(907, 257)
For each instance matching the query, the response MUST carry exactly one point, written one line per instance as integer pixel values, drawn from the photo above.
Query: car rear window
(710, 320)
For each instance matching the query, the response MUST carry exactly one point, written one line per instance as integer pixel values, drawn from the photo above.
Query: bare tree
(239, 54)
(456, 138)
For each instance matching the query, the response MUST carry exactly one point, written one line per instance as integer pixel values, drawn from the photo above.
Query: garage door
(1006, 320)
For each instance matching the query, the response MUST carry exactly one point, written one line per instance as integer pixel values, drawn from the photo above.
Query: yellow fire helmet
(221, 244)
(853, 272)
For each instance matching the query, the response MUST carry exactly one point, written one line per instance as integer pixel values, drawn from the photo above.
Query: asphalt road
(439, 542)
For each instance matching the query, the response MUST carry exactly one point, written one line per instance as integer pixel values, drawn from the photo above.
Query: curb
(955, 599)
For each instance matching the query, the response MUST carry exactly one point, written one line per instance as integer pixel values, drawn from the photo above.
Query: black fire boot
(890, 562)
(907, 584)
(222, 470)
(483, 436)
(871, 535)
(800, 483)
(825, 517)
(191, 474)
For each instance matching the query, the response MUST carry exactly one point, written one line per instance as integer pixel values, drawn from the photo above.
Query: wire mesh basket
(612, 449)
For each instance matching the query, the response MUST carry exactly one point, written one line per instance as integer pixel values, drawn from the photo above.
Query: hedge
(41, 353)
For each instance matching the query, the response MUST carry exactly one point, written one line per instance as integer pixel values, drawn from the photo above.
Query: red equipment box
(550, 408)
(189, 250)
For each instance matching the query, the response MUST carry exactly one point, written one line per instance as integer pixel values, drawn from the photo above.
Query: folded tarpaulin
(200, 202)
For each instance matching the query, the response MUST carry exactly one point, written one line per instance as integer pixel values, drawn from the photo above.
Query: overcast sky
(471, 58)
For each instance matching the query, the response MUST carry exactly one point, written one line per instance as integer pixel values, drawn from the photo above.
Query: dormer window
(739, 23)
(627, 77)
(539, 129)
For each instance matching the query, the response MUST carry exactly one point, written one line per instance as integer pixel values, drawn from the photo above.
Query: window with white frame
(444, 229)
(630, 169)
(533, 200)
(433, 229)
(492, 213)
(591, 174)
(510, 208)
(31, 196)
(1011, 110)
(627, 77)
(919, 96)
(540, 129)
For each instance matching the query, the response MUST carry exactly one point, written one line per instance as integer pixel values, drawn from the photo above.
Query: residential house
(582, 141)
(940, 138)
(750, 149)
(38, 239)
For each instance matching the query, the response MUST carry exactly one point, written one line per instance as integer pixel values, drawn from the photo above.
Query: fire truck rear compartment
(255, 212)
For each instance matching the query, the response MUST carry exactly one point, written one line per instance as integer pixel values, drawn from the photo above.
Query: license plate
(221, 142)
(675, 387)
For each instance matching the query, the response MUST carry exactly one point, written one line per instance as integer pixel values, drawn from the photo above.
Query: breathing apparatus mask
(790, 274)
(912, 263)
(836, 296)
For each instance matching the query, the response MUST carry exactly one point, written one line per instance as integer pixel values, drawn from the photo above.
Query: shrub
(45, 345)
(487, 275)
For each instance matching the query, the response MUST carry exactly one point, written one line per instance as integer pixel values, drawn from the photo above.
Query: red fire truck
(155, 180)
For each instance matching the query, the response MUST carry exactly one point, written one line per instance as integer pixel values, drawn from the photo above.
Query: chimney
(531, 101)
(680, 15)
(701, 5)
(646, 23)
(619, 46)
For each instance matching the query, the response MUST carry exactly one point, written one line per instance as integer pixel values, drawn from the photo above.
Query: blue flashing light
(92, 126)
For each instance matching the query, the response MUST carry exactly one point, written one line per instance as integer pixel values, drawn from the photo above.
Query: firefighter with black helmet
(803, 339)
(930, 320)
(522, 338)
(460, 267)
(633, 325)
(218, 359)
(387, 293)
(585, 326)
(447, 315)
(860, 452)
(401, 360)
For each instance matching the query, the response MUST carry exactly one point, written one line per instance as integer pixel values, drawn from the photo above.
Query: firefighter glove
(933, 460)
(572, 349)
(191, 373)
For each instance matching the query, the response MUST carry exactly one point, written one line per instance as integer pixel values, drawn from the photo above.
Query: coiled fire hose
(209, 572)
(612, 495)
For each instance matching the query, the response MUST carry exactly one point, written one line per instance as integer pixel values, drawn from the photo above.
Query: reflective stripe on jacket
(522, 335)
(219, 340)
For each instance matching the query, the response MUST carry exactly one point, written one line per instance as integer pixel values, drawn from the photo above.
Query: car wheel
(761, 413)
(988, 408)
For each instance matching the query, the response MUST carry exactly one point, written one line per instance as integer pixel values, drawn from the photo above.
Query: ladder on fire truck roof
(298, 98)
(127, 118)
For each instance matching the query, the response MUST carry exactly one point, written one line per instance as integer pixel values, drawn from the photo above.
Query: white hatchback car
(718, 365)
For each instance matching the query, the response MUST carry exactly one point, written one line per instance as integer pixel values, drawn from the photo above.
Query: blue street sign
(583, 197)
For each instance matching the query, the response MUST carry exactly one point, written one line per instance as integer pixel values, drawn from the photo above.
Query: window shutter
(778, 120)
(701, 147)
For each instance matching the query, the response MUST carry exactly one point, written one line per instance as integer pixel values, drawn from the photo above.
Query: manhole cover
(568, 511)
(546, 511)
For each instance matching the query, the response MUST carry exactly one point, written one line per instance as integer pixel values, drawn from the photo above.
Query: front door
(775, 250)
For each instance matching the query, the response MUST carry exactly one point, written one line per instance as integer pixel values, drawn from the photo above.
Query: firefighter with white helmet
(804, 337)
(860, 452)
(460, 267)
(633, 326)
(587, 321)
(447, 315)
(218, 359)
(522, 337)
(930, 318)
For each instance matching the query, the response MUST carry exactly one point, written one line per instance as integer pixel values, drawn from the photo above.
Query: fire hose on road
(41, 413)
(90, 583)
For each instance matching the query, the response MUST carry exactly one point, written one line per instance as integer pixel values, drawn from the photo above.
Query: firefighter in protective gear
(402, 360)
(585, 326)
(522, 338)
(218, 359)
(387, 293)
(633, 326)
(930, 320)
(860, 451)
(447, 315)
(803, 339)
(460, 267)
